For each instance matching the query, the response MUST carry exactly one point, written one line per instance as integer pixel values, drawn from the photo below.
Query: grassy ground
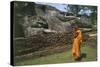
(89, 54)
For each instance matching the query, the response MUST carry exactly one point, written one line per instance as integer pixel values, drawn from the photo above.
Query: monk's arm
(76, 34)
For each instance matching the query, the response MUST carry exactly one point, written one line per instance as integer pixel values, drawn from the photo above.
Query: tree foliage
(84, 10)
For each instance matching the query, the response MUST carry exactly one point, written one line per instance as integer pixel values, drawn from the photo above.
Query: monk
(77, 40)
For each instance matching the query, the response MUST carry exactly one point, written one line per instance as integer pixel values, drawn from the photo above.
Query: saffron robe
(76, 44)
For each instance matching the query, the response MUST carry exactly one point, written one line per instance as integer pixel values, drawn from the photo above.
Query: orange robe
(76, 44)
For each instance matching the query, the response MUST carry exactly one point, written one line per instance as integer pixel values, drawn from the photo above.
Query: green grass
(64, 57)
